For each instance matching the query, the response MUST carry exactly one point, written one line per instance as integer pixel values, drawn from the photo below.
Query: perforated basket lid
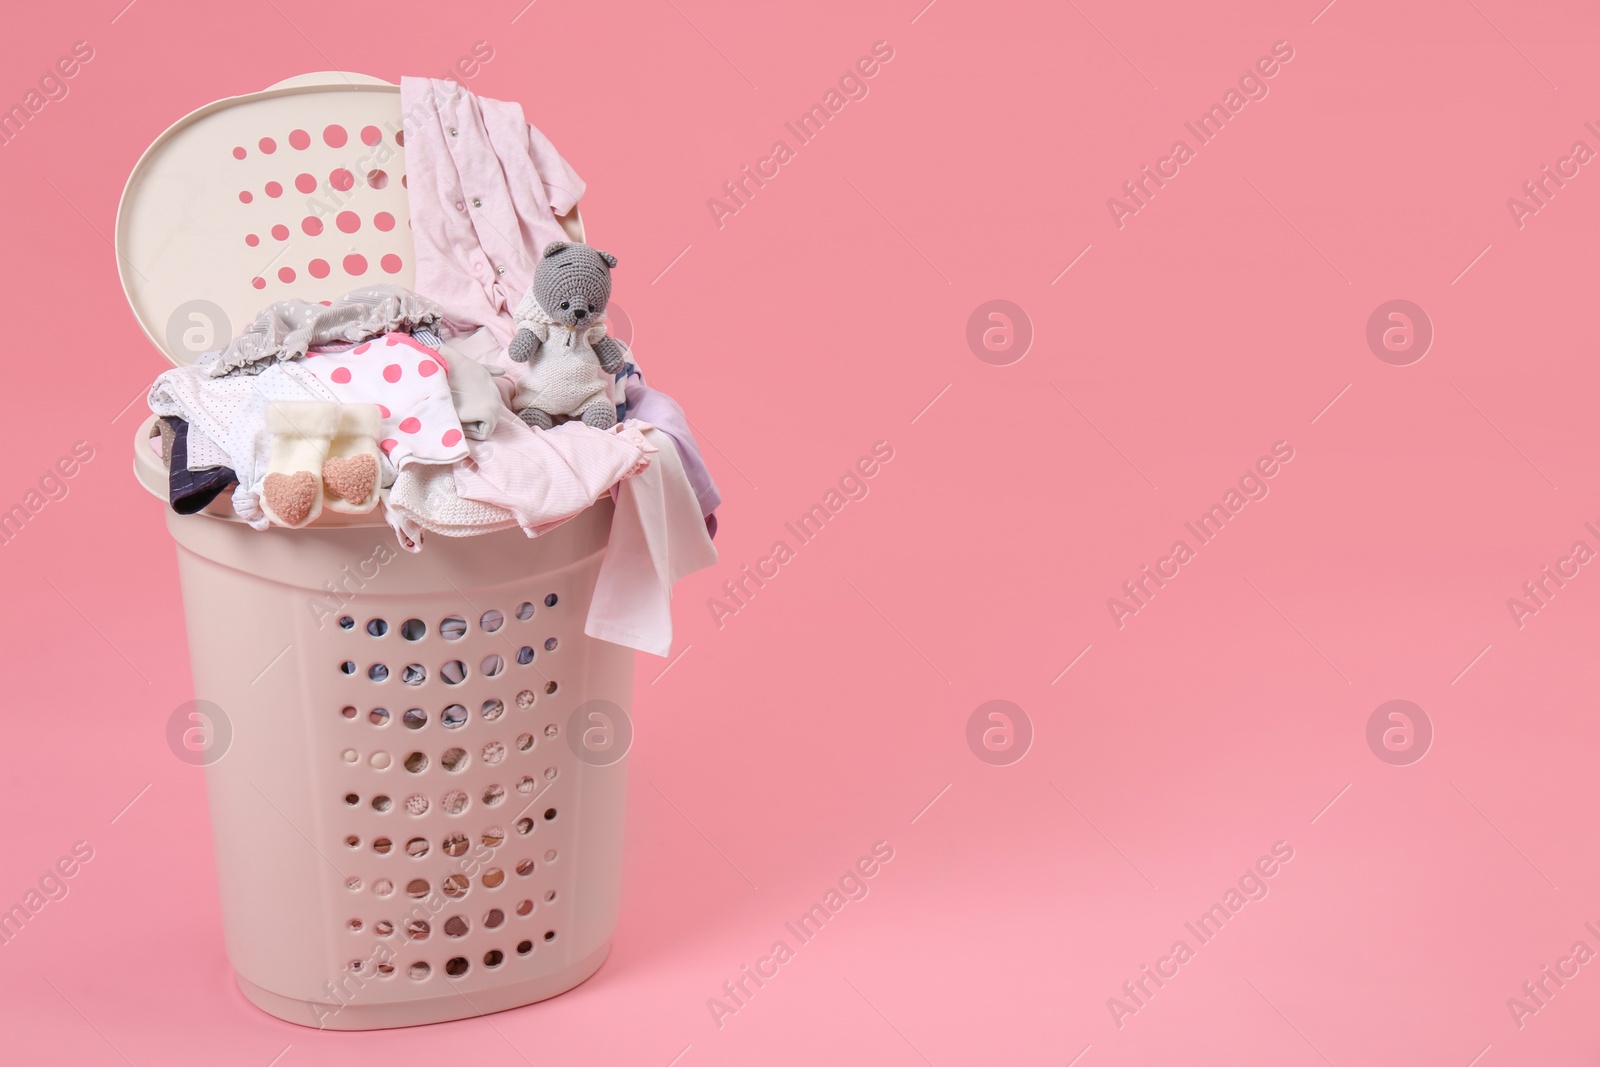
(296, 191)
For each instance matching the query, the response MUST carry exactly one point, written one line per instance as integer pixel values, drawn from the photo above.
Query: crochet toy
(561, 335)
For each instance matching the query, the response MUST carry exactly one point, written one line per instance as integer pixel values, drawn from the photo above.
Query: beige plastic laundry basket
(405, 830)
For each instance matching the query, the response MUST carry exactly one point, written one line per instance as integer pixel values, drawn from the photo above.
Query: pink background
(828, 713)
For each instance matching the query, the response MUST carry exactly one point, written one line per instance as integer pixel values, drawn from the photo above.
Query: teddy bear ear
(553, 247)
(611, 260)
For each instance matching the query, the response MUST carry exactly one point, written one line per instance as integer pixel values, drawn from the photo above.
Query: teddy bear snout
(580, 313)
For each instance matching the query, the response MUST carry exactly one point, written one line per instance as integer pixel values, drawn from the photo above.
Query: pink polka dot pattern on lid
(259, 283)
(311, 225)
(342, 180)
(400, 138)
(371, 135)
(355, 264)
(341, 375)
(244, 196)
(348, 221)
(274, 190)
(390, 263)
(451, 438)
(383, 221)
(268, 145)
(391, 373)
(280, 232)
(286, 274)
(251, 239)
(318, 268)
(334, 136)
(299, 140)
(409, 425)
(239, 152)
(377, 179)
(305, 183)
(427, 368)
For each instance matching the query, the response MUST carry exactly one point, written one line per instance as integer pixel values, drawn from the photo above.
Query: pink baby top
(407, 380)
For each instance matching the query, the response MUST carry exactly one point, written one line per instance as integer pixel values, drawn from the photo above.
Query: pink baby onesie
(407, 380)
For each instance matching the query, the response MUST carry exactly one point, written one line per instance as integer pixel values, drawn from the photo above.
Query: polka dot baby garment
(407, 380)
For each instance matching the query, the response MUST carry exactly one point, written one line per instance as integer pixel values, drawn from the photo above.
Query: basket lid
(295, 191)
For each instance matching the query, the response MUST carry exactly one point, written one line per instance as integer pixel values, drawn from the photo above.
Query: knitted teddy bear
(561, 335)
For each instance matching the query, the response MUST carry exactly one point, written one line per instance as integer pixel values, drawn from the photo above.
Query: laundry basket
(405, 831)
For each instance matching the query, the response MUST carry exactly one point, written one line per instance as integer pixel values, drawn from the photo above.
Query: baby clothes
(288, 329)
(423, 497)
(231, 411)
(191, 490)
(407, 381)
(546, 478)
(662, 412)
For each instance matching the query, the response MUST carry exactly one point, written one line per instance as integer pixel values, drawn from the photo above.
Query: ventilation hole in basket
(549, 935)
(455, 715)
(377, 627)
(492, 665)
(550, 644)
(454, 759)
(549, 896)
(416, 804)
(527, 784)
(417, 847)
(549, 814)
(494, 837)
(550, 774)
(525, 699)
(524, 826)
(346, 622)
(456, 966)
(382, 845)
(350, 755)
(525, 610)
(550, 601)
(385, 970)
(414, 674)
(378, 672)
(417, 888)
(493, 752)
(551, 729)
(352, 841)
(453, 628)
(352, 799)
(378, 716)
(379, 760)
(413, 629)
(456, 886)
(454, 802)
(524, 947)
(524, 742)
(550, 687)
(383, 887)
(418, 929)
(525, 868)
(353, 884)
(419, 970)
(455, 845)
(381, 803)
(549, 855)
(494, 795)
(415, 719)
(492, 620)
(348, 711)
(456, 926)
(355, 966)
(347, 667)
(417, 762)
(524, 908)
(493, 918)
(383, 928)
(454, 672)
(354, 926)
(492, 708)
(493, 877)
(493, 958)
(525, 655)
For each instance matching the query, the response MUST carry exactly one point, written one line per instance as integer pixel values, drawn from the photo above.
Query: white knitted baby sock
(291, 493)
(350, 475)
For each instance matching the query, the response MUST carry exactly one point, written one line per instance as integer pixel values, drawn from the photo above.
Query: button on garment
(456, 141)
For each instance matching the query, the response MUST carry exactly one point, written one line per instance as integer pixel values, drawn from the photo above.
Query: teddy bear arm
(524, 346)
(612, 354)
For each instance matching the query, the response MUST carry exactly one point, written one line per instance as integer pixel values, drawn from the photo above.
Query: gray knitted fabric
(561, 335)
(285, 330)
